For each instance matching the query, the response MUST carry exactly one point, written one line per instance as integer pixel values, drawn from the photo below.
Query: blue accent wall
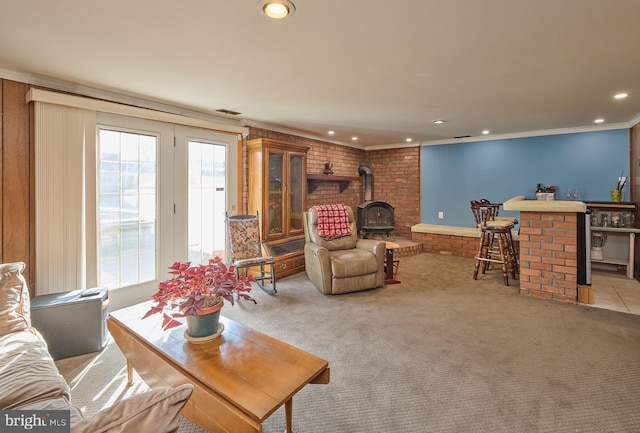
(452, 175)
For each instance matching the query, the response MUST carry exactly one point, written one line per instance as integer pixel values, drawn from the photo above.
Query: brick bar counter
(548, 247)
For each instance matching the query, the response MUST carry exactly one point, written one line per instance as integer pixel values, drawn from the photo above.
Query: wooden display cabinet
(278, 192)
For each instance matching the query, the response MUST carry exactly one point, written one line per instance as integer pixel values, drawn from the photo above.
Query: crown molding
(558, 131)
(284, 130)
(393, 146)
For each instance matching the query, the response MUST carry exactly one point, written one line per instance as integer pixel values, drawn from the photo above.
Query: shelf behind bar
(612, 204)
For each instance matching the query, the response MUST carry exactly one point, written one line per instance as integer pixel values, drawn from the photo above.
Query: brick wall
(460, 246)
(548, 255)
(396, 180)
(396, 176)
(346, 161)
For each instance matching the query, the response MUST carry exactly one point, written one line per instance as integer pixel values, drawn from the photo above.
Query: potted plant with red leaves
(198, 293)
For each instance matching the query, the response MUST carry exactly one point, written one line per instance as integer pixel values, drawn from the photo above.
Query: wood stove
(375, 217)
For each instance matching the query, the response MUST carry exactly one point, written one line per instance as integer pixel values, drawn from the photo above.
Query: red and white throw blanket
(333, 221)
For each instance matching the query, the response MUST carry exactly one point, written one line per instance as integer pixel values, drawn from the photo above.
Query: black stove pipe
(368, 181)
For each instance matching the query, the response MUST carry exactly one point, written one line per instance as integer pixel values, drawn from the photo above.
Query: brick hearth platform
(407, 248)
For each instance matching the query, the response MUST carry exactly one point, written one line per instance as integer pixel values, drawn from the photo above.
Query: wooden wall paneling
(32, 203)
(15, 174)
(634, 157)
(634, 188)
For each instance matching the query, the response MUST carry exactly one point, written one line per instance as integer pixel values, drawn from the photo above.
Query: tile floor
(614, 291)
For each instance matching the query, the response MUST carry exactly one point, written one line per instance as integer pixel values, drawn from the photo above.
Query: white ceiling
(377, 69)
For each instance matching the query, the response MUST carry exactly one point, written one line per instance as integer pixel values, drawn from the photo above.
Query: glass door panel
(206, 201)
(296, 190)
(276, 191)
(205, 189)
(127, 220)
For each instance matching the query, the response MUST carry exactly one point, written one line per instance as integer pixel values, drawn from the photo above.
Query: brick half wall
(450, 245)
(549, 255)
(450, 241)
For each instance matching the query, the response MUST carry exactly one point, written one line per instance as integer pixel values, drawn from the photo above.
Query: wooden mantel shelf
(314, 179)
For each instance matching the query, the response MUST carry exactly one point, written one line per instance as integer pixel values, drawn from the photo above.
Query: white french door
(163, 190)
(206, 185)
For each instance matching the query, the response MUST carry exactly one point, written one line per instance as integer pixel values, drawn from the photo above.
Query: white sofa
(29, 378)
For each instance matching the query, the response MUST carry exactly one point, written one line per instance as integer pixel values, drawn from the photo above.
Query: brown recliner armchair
(345, 264)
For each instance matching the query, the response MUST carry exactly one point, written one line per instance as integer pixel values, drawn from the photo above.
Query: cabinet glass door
(296, 191)
(275, 187)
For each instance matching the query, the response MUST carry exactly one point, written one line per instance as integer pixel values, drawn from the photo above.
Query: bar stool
(494, 209)
(496, 242)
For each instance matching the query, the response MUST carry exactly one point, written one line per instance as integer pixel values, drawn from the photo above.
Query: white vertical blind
(62, 135)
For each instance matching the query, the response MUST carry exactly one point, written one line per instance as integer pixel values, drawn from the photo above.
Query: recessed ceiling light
(485, 132)
(276, 8)
(598, 121)
(621, 95)
(331, 132)
(354, 138)
(438, 122)
(408, 140)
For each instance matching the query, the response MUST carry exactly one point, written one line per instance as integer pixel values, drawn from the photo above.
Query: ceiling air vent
(225, 111)
(463, 136)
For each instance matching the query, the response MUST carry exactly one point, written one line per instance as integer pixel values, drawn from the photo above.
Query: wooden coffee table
(239, 379)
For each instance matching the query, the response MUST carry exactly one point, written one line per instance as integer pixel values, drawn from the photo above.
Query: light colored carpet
(438, 353)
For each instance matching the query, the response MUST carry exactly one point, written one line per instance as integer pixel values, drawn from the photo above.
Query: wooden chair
(246, 249)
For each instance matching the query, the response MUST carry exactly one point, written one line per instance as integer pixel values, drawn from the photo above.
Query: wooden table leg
(288, 409)
(632, 244)
(129, 374)
(389, 265)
